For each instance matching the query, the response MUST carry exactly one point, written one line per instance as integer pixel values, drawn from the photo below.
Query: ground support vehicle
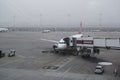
(2, 54)
(12, 53)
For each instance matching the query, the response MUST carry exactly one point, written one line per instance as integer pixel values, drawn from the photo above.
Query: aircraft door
(67, 41)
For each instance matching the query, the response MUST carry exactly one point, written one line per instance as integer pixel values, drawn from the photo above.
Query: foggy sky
(59, 12)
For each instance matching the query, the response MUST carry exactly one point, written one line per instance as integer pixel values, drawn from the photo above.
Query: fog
(17, 13)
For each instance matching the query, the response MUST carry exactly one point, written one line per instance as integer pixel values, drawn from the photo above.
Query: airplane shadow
(90, 59)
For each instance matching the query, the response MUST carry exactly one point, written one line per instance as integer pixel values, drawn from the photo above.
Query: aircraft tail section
(80, 31)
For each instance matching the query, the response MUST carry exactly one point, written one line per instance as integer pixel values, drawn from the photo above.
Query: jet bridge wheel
(86, 53)
(85, 56)
(76, 53)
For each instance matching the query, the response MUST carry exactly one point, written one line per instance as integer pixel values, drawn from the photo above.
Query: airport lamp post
(40, 20)
(14, 20)
(69, 19)
(100, 19)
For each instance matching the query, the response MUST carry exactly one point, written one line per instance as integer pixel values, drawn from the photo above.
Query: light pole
(14, 21)
(40, 20)
(69, 19)
(100, 19)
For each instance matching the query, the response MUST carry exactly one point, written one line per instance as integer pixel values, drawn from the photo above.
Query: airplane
(64, 42)
(86, 46)
(46, 31)
(3, 29)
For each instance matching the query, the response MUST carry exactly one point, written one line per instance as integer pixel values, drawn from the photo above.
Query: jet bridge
(87, 46)
(98, 42)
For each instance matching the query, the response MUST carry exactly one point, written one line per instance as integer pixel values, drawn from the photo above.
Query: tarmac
(35, 60)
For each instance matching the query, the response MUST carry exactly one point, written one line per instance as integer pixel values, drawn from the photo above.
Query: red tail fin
(80, 31)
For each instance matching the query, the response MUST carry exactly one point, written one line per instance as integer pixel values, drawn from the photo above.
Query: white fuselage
(3, 29)
(61, 45)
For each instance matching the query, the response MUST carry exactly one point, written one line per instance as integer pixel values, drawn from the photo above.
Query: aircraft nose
(55, 46)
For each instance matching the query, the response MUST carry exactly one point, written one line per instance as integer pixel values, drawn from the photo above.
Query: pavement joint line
(67, 70)
(74, 76)
(70, 59)
(21, 56)
(9, 62)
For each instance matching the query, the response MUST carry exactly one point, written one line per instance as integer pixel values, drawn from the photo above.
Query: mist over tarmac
(31, 62)
(38, 13)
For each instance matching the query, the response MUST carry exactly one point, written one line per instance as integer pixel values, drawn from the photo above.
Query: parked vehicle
(2, 54)
(12, 53)
(99, 70)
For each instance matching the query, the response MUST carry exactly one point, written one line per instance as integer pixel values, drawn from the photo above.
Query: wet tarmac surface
(35, 60)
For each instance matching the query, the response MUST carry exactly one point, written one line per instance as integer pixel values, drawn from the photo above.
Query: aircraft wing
(49, 40)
